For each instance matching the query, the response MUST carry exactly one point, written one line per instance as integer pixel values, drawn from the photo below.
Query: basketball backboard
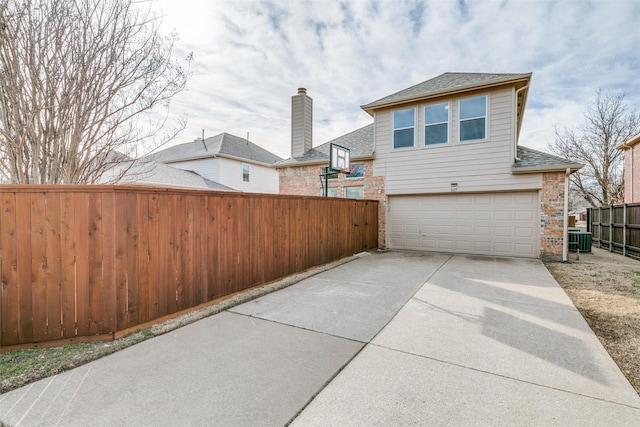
(338, 157)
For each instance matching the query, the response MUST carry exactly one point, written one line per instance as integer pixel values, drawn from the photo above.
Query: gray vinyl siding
(483, 165)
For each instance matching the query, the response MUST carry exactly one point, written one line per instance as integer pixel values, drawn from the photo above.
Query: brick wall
(552, 215)
(305, 180)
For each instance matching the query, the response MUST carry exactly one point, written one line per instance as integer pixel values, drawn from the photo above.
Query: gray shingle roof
(446, 83)
(219, 145)
(531, 160)
(359, 142)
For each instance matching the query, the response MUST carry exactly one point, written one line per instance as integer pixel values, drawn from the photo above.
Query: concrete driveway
(388, 339)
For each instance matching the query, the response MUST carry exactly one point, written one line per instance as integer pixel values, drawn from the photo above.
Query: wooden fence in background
(83, 261)
(616, 228)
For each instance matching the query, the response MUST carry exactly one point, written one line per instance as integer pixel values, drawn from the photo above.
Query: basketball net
(348, 170)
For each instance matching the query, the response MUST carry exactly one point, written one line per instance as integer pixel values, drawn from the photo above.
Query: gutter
(281, 165)
(535, 169)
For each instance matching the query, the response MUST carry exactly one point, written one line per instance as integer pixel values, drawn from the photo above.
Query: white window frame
(247, 172)
(486, 119)
(394, 129)
(425, 125)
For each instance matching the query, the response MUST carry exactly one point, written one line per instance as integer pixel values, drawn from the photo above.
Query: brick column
(552, 215)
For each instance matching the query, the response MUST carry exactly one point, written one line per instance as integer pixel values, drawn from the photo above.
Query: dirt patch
(605, 288)
(21, 367)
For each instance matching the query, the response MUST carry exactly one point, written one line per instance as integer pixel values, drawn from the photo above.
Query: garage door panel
(482, 223)
(483, 215)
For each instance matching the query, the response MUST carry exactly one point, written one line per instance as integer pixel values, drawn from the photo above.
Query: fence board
(143, 258)
(52, 274)
(67, 266)
(25, 295)
(38, 267)
(109, 261)
(10, 290)
(92, 260)
(153, 254)
(132, 259)
(122, 320)
(81, 211)
(95, 281)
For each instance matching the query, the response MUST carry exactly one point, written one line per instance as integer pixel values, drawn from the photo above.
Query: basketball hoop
(348, 170)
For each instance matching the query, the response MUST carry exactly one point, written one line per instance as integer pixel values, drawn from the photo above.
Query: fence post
(610, 228)
(624, 229)
(600, 226)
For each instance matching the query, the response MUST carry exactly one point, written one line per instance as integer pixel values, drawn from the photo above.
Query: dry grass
(605, 287)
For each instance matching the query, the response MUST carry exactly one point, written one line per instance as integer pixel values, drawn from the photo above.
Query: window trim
(486, 119)
(424, 124)
(246, 175)
(394, 129)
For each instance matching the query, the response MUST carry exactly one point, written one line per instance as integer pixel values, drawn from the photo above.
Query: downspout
(515, 127)
(565, 243)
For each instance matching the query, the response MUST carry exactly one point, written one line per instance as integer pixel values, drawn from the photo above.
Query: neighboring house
(443, 159)
(229, 160)
(631, 169)
(152, 173)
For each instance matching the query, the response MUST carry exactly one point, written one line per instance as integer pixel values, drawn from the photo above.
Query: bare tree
(607, 124)
(76, 78)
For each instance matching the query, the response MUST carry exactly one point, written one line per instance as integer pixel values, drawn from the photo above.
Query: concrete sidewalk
(388, 339)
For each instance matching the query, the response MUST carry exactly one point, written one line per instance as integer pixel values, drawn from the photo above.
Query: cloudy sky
(251, 56)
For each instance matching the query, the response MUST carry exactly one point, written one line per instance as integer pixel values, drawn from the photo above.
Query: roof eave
(630, 143)
(369, 108)
(188, 159)
(537, 169)
(245, 160)
(320, 162)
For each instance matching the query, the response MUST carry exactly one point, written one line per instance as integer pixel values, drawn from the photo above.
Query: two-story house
(444, 160)
(235, 163)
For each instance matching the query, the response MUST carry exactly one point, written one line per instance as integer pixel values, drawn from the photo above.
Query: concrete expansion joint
(408, 353)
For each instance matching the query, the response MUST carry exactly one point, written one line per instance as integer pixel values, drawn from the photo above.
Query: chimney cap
(302, 91)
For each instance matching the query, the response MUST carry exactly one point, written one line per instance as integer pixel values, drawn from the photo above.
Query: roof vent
(302, 91)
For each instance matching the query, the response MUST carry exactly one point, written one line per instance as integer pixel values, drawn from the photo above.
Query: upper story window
(473, 118)
(245, 172)
(436, 123)
(403, 128)
(357, 171)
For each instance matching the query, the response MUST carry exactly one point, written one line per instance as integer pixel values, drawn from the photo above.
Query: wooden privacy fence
(82, 261)
(616, 228)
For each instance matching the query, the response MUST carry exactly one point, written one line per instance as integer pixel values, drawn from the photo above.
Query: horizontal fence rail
(83, 261)
(616, 228)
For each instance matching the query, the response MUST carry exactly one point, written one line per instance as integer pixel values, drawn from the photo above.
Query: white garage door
(484, 223)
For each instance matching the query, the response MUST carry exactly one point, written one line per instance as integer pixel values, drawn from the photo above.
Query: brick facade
(552, 215)
(305, 180)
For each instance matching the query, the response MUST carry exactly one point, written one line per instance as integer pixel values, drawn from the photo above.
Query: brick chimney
(301, 123)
